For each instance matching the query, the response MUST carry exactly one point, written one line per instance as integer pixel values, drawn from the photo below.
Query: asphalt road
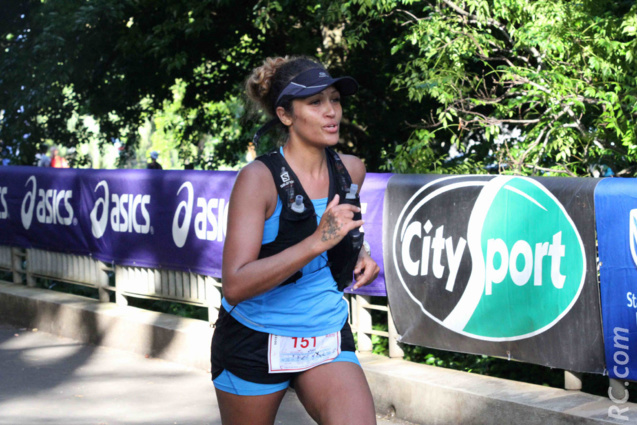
(48, 380)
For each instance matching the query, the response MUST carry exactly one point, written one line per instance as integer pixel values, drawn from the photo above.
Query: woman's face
(316, 119)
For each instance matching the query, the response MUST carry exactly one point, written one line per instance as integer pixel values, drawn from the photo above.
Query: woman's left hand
(366, 270)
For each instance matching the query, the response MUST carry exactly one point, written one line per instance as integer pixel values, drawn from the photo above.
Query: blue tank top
(311, 306)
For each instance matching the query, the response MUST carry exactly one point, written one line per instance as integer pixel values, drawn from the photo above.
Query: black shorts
(244, 351)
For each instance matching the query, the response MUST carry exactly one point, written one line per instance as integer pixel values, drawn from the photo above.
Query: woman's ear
(285, 118)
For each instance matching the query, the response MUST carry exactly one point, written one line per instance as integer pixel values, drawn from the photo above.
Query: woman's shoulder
(253, 179)
(255, 185)
(355, 167)
(255, 171)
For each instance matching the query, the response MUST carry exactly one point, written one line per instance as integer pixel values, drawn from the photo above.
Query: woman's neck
(307, 160)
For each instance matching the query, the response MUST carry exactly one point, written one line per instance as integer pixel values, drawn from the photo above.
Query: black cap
(306, 84)
(314, 81)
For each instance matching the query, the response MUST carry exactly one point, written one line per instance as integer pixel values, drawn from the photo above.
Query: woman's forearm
(259, 276)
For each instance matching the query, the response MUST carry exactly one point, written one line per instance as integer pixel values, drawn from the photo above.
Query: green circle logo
(505, 262)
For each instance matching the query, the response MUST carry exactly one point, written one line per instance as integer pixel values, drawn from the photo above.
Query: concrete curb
(180, 340)
(416, 393)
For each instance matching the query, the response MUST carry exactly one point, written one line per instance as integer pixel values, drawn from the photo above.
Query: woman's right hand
(336, 222)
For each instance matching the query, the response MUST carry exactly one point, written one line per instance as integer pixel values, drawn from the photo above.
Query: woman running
(292, 246)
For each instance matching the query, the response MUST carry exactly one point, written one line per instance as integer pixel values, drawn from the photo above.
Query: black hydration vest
(296, 226)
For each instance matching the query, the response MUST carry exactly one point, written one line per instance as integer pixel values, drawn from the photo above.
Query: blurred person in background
(153, 164)
(43, 160)
(58, 161)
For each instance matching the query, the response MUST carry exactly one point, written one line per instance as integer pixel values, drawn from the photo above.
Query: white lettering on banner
(48, 208)
(47, 205)
(4, 211)
(206, 216)
(432, 254)
(437, 245)
(620, 357)
(508, 264)
(124, 213)
(210, 219)
(122, 210)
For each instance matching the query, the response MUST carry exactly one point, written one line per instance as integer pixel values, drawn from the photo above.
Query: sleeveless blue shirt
(311, 306)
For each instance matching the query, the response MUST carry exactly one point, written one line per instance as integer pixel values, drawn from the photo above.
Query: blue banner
(616, 216)
(144, 218)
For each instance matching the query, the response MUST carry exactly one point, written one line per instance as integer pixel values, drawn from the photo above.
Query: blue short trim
(232, 384)
(347, 356)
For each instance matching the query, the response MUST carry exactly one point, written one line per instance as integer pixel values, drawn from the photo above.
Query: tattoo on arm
(331, 231)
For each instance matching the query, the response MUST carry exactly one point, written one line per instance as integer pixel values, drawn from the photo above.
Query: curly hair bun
(259, 83)
(267, 81)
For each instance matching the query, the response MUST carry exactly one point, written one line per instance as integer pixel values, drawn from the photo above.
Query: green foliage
(380, 345)
(485, 365)
(117, 62)
(180, 67)
(481, 364)
(557, 74)
(6, 276)
(546, 87)
(505, 369)
(491, 366)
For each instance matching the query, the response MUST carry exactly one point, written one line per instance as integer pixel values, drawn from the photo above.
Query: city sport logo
(495, 259)
(633, 234)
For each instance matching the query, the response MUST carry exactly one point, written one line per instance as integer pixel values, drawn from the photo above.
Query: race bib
(293, 354)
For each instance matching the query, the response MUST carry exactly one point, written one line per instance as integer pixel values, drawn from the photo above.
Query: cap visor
(346, 86)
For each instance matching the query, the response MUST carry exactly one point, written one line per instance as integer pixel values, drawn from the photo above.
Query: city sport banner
(497, 265)
(616, 216)
(144, 218)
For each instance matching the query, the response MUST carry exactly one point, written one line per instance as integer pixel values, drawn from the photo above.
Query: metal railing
(168, 285)
(12, 260)
(361, 307)
(27, 265)
(6, 259)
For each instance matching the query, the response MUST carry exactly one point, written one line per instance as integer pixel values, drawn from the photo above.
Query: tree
(446, 86)
(559, 74)
(120, 61)
(113, 60)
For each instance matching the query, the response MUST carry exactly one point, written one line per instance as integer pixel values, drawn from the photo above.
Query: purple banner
(144, 218)
(372, 200)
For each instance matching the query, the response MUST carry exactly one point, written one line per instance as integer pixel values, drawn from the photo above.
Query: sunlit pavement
(45, 379)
